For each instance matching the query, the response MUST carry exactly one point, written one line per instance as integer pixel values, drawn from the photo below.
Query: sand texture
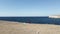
(7, 27)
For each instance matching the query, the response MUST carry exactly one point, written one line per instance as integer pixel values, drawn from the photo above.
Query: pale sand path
(7, 27)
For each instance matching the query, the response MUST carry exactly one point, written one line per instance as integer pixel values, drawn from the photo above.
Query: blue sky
(29, 7)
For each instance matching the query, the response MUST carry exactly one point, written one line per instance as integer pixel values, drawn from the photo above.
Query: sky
(29, 7)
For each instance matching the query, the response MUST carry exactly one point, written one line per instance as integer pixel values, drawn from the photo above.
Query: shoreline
(7, 27)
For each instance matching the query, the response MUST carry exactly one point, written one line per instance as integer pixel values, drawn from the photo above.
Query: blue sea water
(36, 20)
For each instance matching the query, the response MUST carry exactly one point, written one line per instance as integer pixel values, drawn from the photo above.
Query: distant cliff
(57, 16)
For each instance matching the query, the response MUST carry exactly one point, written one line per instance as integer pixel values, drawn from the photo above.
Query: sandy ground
(7, 27)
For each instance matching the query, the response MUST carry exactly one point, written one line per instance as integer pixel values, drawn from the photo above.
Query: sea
(33, 20)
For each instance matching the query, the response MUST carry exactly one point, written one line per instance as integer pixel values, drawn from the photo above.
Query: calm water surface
(37, 20)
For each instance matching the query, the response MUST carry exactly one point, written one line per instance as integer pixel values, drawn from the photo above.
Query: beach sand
(7, 27)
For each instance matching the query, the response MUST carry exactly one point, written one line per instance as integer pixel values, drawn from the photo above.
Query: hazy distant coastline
(54, 16)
